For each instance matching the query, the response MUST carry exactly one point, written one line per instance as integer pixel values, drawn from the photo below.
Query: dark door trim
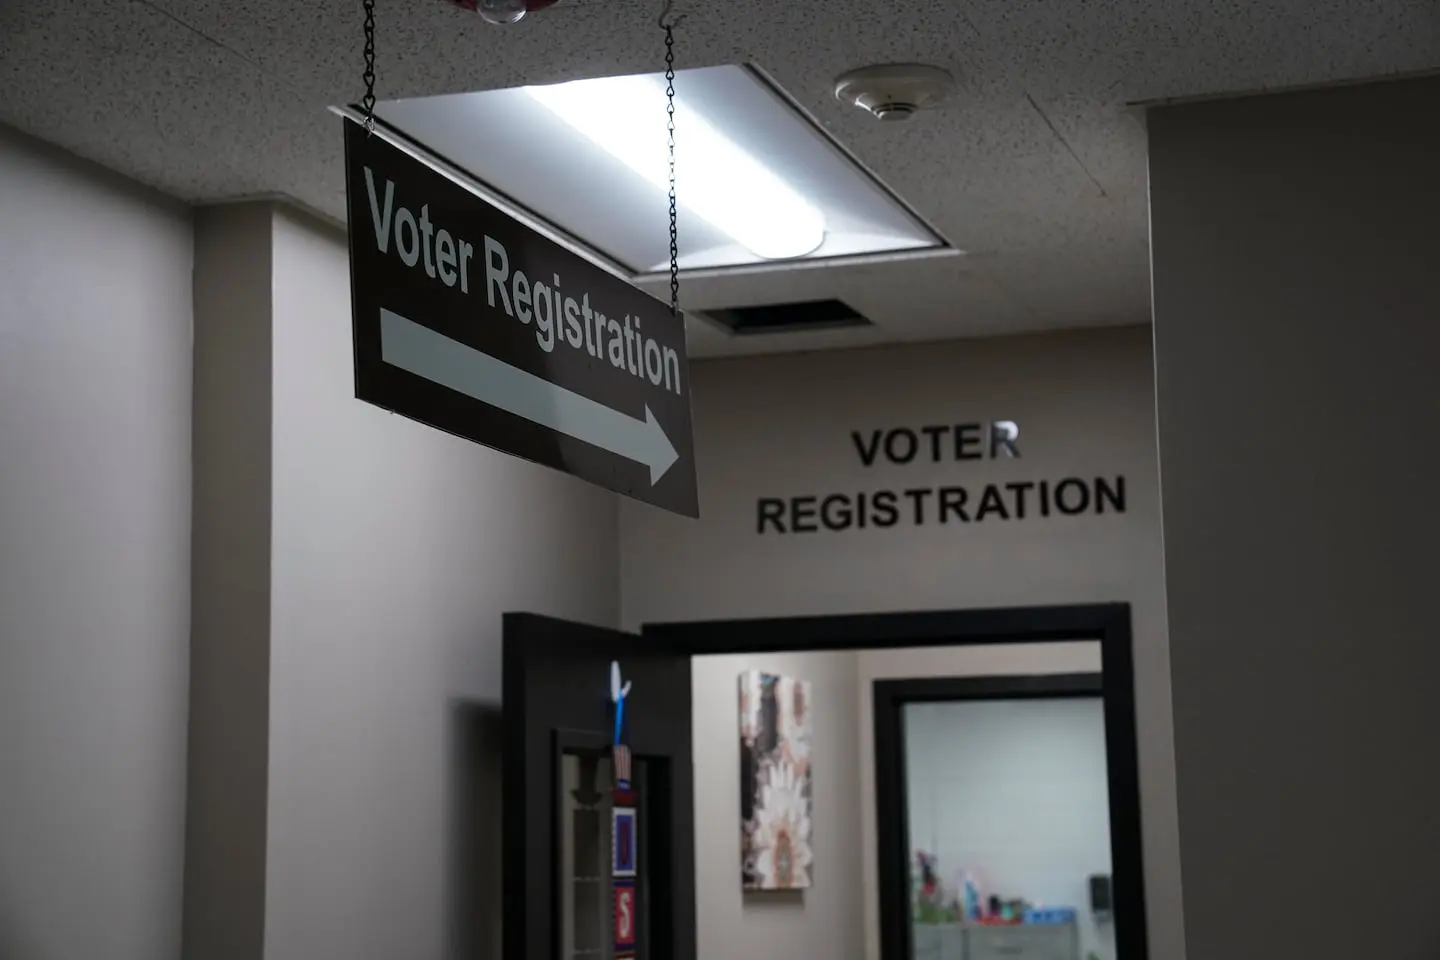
(1108, 623)
(556, 694)
(1040, 686)
(892, 820)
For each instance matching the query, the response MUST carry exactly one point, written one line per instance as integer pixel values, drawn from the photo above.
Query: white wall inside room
(780, 426)
(825, 920)
(95, 364)
(1014, 792)
(396, 550)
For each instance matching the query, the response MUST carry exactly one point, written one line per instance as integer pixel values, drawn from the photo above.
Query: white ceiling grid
(1037, 169)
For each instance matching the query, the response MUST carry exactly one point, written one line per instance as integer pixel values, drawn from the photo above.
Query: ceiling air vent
(788, 317)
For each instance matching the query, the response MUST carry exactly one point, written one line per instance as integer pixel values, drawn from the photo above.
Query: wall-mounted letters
(948, 504)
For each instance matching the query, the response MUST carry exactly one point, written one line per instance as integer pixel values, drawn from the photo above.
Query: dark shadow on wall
(9, 940)
(475, 830)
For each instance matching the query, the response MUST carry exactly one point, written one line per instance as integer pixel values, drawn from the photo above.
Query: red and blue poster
(624, 919)
(624, 825)
(623, 834)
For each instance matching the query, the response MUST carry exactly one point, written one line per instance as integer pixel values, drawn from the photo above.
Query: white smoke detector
(895, 91)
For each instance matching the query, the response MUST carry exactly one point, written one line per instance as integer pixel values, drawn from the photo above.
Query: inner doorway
(559, 730)
(1004, 809)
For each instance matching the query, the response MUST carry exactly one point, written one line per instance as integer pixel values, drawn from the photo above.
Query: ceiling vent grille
(788, 317)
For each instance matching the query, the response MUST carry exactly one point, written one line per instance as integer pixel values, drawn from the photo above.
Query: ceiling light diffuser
(717, 180)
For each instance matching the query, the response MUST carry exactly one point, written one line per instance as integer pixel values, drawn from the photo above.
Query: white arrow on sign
(425, 353)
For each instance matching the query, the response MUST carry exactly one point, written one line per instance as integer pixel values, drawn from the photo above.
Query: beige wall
(228, 762)
(397, 548)
(393, 550)
(94, 558)
(825, 920)
(780, 426)
(1296, 306)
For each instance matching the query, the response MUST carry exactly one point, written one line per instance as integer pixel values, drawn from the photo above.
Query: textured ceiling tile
(1187, 47)
(902, 299)
(126, 87)
(1036, 168)
(1079, 286)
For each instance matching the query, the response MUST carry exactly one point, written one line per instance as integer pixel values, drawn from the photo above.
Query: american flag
(622, 765)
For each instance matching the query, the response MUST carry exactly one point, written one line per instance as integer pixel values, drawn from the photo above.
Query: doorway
(1004, 811)
(556, 695)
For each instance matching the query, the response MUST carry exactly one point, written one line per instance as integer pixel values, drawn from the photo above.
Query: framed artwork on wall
(775, 782)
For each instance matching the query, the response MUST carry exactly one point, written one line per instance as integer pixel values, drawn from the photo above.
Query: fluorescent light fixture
(716, 179)
(761, 186)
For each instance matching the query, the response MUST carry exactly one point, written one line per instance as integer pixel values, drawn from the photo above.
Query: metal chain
(367, 103)
(670, 130)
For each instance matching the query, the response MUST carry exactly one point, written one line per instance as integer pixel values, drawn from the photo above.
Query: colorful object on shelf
(624, 839)
(1005, 912)
(931, 902)
(929, 879)
(965, 901)
(972, 897)
(934, 900)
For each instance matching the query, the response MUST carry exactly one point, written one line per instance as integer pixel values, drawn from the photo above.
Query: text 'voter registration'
(558, 317)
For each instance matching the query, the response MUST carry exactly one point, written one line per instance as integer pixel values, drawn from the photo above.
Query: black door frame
(548, 709)
(892, 816)
(1108, 623)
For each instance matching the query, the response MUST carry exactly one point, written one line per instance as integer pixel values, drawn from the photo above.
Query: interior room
(1004, 786)
(442, 441)
(828, 778)
(1041, 827)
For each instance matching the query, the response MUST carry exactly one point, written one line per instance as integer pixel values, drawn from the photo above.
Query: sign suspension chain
(624, 871)
(367, 103)
(667, 23)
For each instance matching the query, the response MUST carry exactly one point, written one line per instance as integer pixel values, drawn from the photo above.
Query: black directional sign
(469, 321)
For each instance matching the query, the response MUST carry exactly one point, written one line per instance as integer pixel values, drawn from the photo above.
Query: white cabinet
(952, 941)
(1049, 941)
(938, 941)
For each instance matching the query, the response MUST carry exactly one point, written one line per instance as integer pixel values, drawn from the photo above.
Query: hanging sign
(624, 826)
(469, 321)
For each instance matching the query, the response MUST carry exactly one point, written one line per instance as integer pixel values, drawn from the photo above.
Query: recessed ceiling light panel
(757, 182)
(730, 189)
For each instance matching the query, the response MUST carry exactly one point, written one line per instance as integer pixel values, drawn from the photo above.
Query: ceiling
(1036, 169)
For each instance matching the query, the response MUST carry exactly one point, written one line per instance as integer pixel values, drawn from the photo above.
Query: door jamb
(1109, 623)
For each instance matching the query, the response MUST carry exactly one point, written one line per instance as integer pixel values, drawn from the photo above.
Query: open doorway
(1004, 810)
(796, 813)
